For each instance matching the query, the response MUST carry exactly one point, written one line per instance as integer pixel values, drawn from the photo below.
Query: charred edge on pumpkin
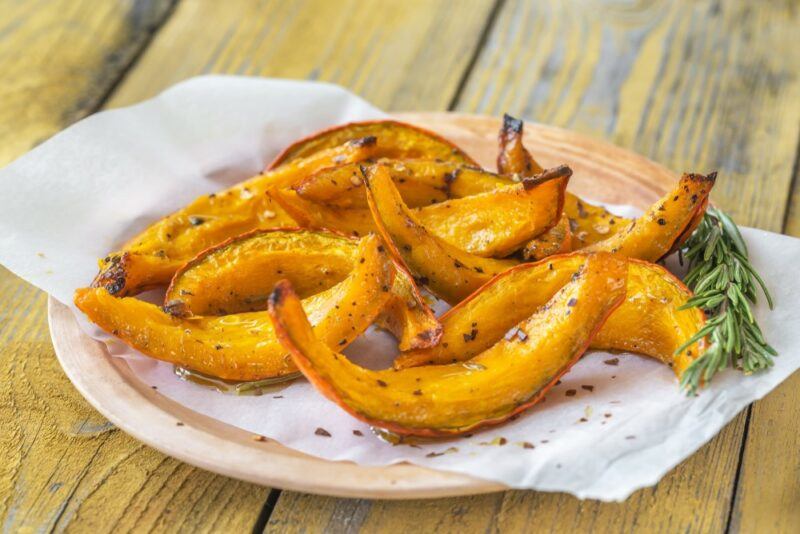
(562, 171)
(175, 308)
(279, 293)
(113, 275)
(512, 124)
(369, 140)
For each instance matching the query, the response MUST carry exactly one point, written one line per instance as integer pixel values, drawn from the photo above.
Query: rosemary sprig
(724, 283)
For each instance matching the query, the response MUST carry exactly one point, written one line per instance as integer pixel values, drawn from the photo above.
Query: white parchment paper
(615, 424)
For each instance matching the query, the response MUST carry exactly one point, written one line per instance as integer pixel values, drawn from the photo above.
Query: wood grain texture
(769, 483)
(59, 58)
(693, 85)
(398, 55)
(62, 464)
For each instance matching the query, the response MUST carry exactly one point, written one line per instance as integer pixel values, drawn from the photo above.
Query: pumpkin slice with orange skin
(491, 224)
(243, 346)
(653, 235)
(238, 275)
(395, 140)
(442, 400)
(588, 223)
(420, 182)
(649, 322)
(152, 257)
(496, 223)
(449, 272)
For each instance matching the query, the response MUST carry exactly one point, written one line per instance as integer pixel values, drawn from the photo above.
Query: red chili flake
(358, 433)
(570, 393)
(612, 361)
(322, 432)
(588, 388)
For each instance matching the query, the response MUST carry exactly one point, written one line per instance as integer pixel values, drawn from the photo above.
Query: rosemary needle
(724, 284)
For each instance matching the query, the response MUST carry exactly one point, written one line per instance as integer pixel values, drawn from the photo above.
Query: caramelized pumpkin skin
(450, 273)
(588, 223)
(238, 275)
(653, 235)
(420, 182)
(243, 346)
(395, 140)
(151, 258)
(491, 224)
(442, 400)
(648, 322)
(496, 223)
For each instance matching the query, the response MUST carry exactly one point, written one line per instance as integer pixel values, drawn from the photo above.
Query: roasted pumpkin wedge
(653, 235)
(395, 140)
(441, 400)
(649, 322)
(420, 182)
(450, 273)
(354, 222)
(491, 224)
(407, 316)
(238, 275)
(243, 346)
(557, 240)
(588, 223)
(151, 258)
(496, 223)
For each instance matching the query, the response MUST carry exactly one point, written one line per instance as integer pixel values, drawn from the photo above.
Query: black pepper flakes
(572, 302)
(358, 433)
(570, 393)
(612, 361)
(322, 432)
(662, 222)
(527, 445)
(588, 388)
(381, 383)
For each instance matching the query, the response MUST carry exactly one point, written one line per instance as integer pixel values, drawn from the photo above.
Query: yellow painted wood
(769, 483)
(58, 58)
(694, 85)
(408, 54)
(62, 464)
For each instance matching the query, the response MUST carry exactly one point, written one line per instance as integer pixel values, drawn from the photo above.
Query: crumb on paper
(612, 361)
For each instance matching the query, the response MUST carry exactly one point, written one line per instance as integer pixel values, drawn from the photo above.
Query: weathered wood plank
(693, 85)
(59, 58)
(769, 481)
(62, 464)
(398, 55)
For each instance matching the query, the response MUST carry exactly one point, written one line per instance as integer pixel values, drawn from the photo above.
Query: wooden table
(695, 85)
